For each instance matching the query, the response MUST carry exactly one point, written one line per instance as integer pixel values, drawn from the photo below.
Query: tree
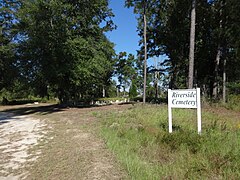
(67, 59)
(126, 70)
(141, 6)
(168, 29)
(8, 70)
(133, 89)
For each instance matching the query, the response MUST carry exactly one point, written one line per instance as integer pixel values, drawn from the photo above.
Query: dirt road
(18, 134)
(48, 142)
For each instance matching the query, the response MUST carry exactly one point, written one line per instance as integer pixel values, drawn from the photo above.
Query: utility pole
(145, 53)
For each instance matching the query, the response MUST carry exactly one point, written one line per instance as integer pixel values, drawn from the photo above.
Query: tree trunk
(103, 92)
(145, 55)
(215, 83)
(224, 80)
(192, 44)
(219, 54)
(156, 74)
(224, 54)
(224, 57)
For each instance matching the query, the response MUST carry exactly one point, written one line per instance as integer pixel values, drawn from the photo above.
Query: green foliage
(58, 48)
(190, 140)
(139, 137)
(233, 102)
(168, 30)
(126, 70)
(8, 69)
(111, 89)
(133, 90)
(234, 88)
(55, 47)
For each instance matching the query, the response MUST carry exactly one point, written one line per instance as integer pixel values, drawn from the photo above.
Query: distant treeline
(58, 49)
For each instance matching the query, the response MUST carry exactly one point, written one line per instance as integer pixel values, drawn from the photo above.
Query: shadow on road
(27, 110)
(10, 113)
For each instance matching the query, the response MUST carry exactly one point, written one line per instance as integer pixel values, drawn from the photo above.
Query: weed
(143, 145)
(188, 139)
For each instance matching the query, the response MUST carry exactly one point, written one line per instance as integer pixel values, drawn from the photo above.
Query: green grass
(233, 102)
(111, 99)
(139, 137)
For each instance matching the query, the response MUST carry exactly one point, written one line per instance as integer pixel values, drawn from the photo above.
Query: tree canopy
(60, 46)
(216, 41)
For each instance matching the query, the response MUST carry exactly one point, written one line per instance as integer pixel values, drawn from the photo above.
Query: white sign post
(184, 98)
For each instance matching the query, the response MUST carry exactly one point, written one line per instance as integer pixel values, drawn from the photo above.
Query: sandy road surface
(18, 134)
(62, 144)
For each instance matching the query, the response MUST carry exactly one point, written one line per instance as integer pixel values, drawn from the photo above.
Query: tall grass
(233, 102)
(139, 137)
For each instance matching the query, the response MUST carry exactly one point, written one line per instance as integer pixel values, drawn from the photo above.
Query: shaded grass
(139, 137)
(233, 102)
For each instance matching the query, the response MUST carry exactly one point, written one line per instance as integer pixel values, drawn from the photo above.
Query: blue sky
(125, 37)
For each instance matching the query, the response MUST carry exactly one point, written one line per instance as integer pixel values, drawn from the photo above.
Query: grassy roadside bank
(139, 137)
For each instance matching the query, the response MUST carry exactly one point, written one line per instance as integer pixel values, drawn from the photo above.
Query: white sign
(184, 98)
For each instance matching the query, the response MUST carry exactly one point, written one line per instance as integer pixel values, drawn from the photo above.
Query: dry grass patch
(75, 151)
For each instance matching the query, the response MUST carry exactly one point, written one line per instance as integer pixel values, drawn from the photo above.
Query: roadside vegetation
(139, 137)
(233, 102)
